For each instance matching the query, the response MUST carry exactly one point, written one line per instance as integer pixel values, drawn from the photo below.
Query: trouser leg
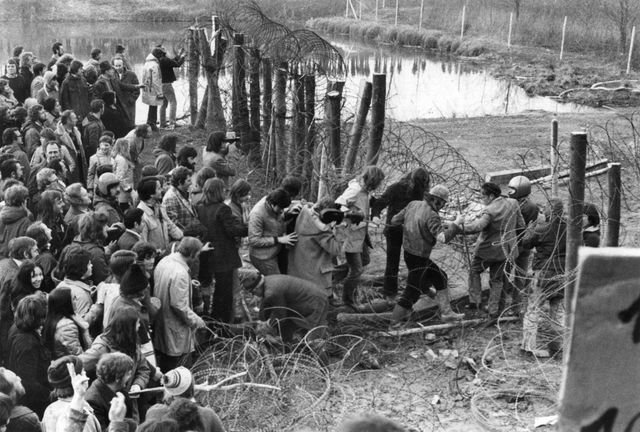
(475, 286)
(496, 276)
(173, 104)
(394, 246)
(354, 261)
(152, 115)
(222, 308)
(531, 319)
(411, 293)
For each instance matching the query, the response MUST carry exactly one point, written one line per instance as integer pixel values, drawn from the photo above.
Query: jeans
(350, 272)
(496, 277)
(515, 280)
(394, 246)
(423, 273)
(152, 115)
(169, 100)
(167, 362)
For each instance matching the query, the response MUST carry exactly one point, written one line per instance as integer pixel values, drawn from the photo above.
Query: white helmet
(519, 187)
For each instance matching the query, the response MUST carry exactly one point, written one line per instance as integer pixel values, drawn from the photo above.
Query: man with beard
(128, 99)
(215, 155)
(108, 81)
(176, 200)
(58, 51)
(12, 145)
(157, 228)
(187, 157)
(32, 129)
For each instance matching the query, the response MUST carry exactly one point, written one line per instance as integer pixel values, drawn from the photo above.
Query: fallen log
(600, 166)
(437, 327)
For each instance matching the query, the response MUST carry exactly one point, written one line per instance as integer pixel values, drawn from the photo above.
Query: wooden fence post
(194, 72)
(613, 215)
(267, 107)
(358, 125)
(510, 29)
(421, 14)
(464, 13)
(310, 137)
(296, 148)
(554, 158)
(280, 109)
(564, 31)
(239, 99)
(378, 101)
(397, 10)
(332, 115)
(377, 9)
(254, 110)
(633, 38)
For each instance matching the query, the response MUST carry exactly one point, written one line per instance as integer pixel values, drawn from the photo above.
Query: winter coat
(219, 164)
(395, 197)
(22, 419)
(591, 236)
(497, 226)
(98, 259)
(21, 156)
(8, 271)
(166, 68)
(355, 199)
(109, 208)
(31, 134)
(209, 419)
(102, 345)
(71, 337)
(421, 225)
(44, 93)
(179, 209)
(8, 102)
(550, 241)
(221, 229)
(77, 170)
(264, 227)
(74, 95)
(157, 227)
(29, 359)
(164, 161)
(312, 257)
(129, 98)
(152, 79)
(123, 170)
(21, 87)
(99, 396)
(115, 121)
(128, 239)
(93, 128)
(56, 418)
(174, 332)
(136, 146)
(14, 222)
(96, 161)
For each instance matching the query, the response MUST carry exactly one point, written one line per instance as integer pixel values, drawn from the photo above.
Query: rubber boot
(444, 304)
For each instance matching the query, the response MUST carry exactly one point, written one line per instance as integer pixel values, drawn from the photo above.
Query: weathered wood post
(577, 167)
(377, 10)
(378, 101)
(554, 158)
(464, 17)
(280, 112)
(211, 114)
(267, 107)
(240, 109)
(310, 137)
(397, 10)
(355, 135)
(421, 14)
(510, 29)
(254, 111)
(633, 39)
(332, 114)
(193, 71)
(613, 215)
(564, 31)
(295, 157)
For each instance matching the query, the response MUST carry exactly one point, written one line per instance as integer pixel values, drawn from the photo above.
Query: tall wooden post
(464, 13)
(211, 114)
(510, 29)
(421, 14)
(554, 158)
(577, 167)
(240, 109)
(378, 101)
(564, 31)
(397, 10)
(355, 135)
(613, 216)
(254, 111)
(193, 71)
(267, 106)
(280, 112)
(633, 39)
(332, 115)
(377, 9)
(310, 137)
(295, 154)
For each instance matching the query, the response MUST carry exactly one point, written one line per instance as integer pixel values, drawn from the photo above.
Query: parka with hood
(74, 95)
(152, 79)
(14, 222)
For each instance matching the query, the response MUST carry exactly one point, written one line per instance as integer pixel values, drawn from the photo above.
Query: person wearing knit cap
(108, 291)
(179, 384)
(56, 415)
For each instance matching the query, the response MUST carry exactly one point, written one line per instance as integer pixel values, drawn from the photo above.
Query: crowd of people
(109, 266)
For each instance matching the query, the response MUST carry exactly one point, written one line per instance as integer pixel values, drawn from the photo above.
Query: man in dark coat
(93, 128)
(22, 418)
(74, 92)
(127, 76)
(289, 303)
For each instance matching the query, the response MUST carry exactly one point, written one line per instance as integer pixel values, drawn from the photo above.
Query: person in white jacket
(152, 94)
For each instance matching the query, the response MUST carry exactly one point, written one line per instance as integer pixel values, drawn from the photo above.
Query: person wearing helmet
(421, 229)
(497, 225)
(106, 198)
(516, 270)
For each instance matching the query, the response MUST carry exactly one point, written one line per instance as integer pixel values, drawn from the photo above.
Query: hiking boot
(400, 314)
(444, 304)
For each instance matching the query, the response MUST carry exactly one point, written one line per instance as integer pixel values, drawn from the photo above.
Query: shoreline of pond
(536, 70)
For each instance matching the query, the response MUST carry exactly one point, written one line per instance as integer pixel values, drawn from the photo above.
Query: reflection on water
(419, 86)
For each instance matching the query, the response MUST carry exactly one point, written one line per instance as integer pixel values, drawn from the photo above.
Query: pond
(419, 85)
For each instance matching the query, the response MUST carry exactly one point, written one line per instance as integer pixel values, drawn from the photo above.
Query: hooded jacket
(152, 79)
(74, 95)
(164, 161)
(14, 222)
(311, 257)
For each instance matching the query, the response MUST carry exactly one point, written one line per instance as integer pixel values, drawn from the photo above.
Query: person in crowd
(312, 256)
(46, 179)
(27, 61)
(549, 239)
(152, 93)
(176, 202)
(121, 335)
(6, 407)
(204, 174)
(215, 155)
(168, 75)
(133, 227)
(14, 216)
(64, 331)
(108, 81)
(112, 118)
(50, 208)
(121, 54)
(51, 149)
(45, 259)
(38, 78)
(50, 89)
(127, 76)
(147, 255)
(290, 305)
(7, 99)
(178, 383)
(516, 270)
(123, 169)
(12, 145)
(92, 234)
(157, 228)
(114, 371)
(11, 171)
(56, 416)
(78, 199)
(20, 86)
(239, 196)
(102, 158)
(354, 201)
(165, 154)
(94, 60)
(174, 333)
(93, 128)
(591, 226)
(32, 129)
(58, 51)
(52, 111)
(70, 138)
(221, 230)
(186, 157)
(267, 233)
(22, 418)
(27, 356)
(28, 281)
(74, 92)
(62, 68)
(77, 268)
(109, 290)
(422, 229)
(497, 225)
(20, 249)
(136, 138)
(18, 116)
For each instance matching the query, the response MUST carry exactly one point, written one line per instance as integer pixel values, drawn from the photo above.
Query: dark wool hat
(133, 281)
(58, 374)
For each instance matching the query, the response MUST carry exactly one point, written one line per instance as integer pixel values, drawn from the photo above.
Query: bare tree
(623, 13)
